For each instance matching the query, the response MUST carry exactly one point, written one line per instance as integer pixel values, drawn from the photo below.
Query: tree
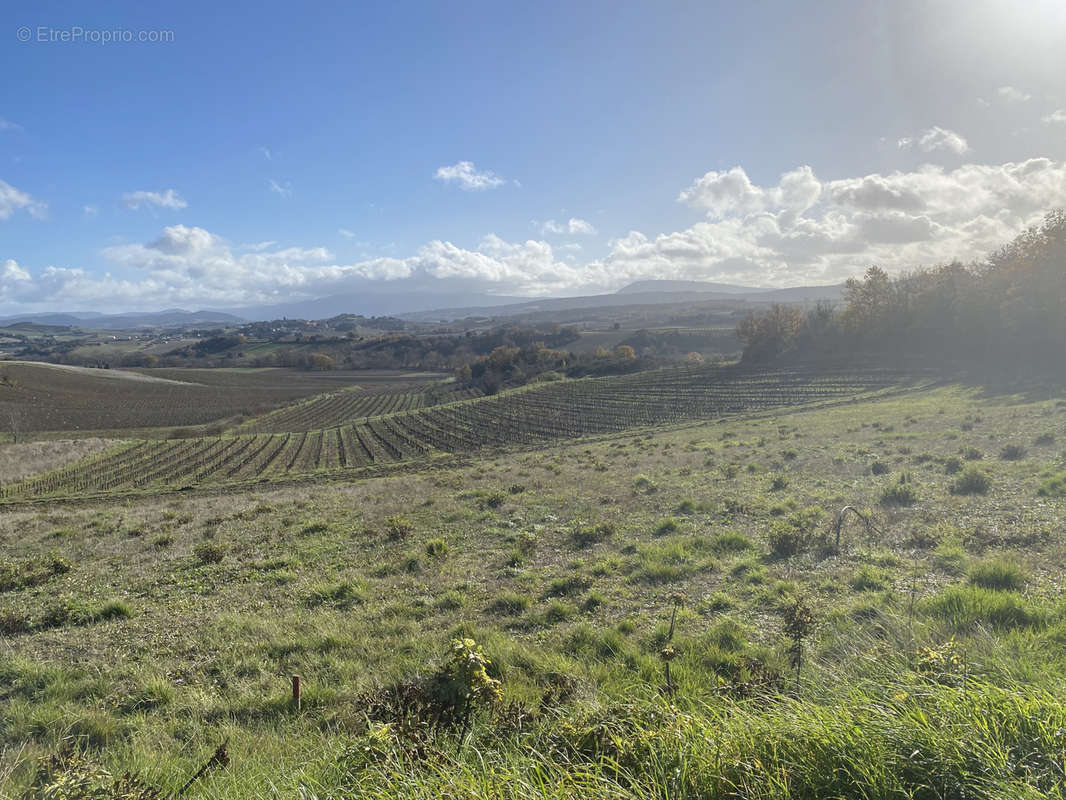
(320, 361)
(625, 352)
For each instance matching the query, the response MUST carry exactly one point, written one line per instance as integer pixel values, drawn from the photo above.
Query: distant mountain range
(118, 322)
(429, 305)
(639, 294)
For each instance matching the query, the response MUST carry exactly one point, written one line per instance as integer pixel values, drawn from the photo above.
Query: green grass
(148, 656)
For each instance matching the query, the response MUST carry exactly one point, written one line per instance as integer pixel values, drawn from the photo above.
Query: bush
(971, 481)
(592, 601)
(209, 553)
(953, 465)
(971, 454)
(398, 527)
(778, 483)
(879, 468)
(686, 506)
(900, 494)
(1000, 574)
(1012, 452)
(1054, 485)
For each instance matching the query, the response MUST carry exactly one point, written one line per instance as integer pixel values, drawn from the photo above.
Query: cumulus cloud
(573, 226)
(467, 177)
(900, 220)
(12, 200)
(936, 138)
(797, 230)
(1055, 117)
(168, 199)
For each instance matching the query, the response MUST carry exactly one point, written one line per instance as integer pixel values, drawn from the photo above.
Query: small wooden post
(296, 691)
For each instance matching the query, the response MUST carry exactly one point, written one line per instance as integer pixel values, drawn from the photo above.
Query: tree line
(1009, 309)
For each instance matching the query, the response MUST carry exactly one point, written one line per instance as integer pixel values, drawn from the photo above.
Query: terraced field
(409, 430)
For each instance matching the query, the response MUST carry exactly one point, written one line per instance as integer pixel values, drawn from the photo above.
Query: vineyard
(47, 397)
(387, 428)
(338, 408)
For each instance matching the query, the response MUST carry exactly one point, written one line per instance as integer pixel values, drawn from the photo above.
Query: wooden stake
(296, 696)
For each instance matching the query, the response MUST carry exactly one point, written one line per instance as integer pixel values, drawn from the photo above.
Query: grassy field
(929, 646)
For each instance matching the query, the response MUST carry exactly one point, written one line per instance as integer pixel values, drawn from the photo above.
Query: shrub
(1000, 574)
(113, 609)
(900, 494)
(953, 465)
(1044, 439)
(778, 483)
(642, 483)
(971, 481)
(436, 547)
(971, 454)
(785, 540)
(686, 506)
(1054, 485)
(879, 468)
(209, 552)
(1012, 452)
(398, 527)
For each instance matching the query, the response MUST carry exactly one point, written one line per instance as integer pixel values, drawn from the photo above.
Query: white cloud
(467, 177)
(8, 125)
(167, 199)
(347, 234)
(799, 230)
(936, 138)
(12, 200)
(574, 226)
(90, 211)
(899, 220)
(280, 189)
(265, 153)
(1010, 94)
(1055, 117)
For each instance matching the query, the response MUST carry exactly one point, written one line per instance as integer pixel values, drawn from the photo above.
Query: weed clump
(437, 547)
(971, 481)
(999, 574)
(209, 553)
(398, 527)
(588, 535)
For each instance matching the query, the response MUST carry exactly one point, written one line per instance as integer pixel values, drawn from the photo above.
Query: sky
(205, 155)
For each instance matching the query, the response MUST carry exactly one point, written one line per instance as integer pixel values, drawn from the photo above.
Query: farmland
(150, 632)
(39, 397)
(349, 430)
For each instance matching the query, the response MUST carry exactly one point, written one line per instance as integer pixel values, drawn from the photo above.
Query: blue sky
(273, 151)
